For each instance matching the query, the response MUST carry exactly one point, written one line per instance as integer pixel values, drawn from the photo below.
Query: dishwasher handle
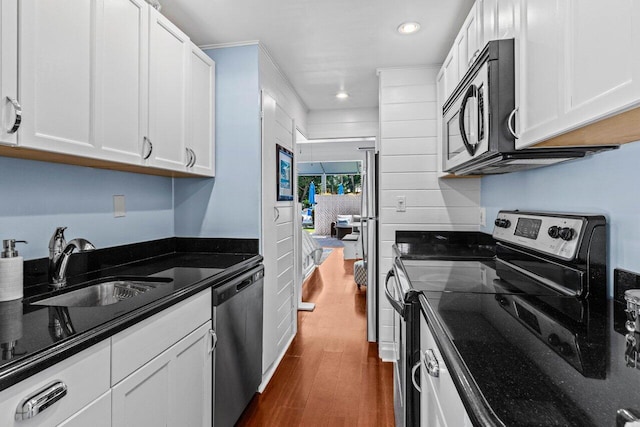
(225, 291)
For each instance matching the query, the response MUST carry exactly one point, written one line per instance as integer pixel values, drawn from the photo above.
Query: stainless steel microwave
(478, 134)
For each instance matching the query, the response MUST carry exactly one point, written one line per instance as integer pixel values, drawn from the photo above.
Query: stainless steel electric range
(521, 316)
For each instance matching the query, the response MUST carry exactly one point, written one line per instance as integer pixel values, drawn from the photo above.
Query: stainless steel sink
(104, 293)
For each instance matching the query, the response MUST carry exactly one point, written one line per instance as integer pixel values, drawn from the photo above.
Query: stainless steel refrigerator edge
(369, 214)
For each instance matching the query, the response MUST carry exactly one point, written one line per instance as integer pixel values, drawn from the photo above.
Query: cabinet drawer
(86, 376)
(140, 343)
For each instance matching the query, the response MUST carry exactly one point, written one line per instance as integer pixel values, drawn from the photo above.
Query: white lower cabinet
(440, 403)
(86, 377)
(96, 414)
(174, 389)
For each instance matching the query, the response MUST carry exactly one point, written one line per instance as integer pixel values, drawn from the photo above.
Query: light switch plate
(118, 206)
(401, 204)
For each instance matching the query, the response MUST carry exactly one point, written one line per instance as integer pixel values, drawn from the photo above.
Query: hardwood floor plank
(330, 376)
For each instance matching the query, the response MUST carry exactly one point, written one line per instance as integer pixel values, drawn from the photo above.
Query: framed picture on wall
(284, 168)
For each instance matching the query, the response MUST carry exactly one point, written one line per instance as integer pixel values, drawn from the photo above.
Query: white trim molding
(230, 44)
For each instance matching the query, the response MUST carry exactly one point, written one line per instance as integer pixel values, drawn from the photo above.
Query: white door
(122, 85)
(603, 64)
(539, 69)
(201, 132)
(169, 50)
(277, 236)
(9, 102)
(173, 389)
(57, 70)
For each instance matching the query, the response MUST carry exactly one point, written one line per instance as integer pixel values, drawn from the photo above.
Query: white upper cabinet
(122, 88)
(602, 58)
(450, 72)
(487, 11)
(201, 110)
(9, 103)
(574, 65)
(467, 42)
(106, 80)
(169, 50)
(57, 71)
(538, 61)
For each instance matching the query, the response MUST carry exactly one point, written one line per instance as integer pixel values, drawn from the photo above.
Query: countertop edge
(42, 360)
(477, 407)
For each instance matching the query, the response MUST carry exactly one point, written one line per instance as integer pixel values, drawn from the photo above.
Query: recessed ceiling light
(408, 27)
(342, 95)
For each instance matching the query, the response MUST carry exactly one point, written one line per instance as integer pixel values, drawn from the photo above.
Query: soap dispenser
(11, 273)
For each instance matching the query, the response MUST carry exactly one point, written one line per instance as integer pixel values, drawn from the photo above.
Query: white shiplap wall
(409, 167)
(342, 123)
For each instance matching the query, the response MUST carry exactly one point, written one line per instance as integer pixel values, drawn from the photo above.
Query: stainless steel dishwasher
(237, 360)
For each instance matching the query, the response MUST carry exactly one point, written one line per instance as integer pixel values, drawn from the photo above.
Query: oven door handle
(472, 92)
(397, 305)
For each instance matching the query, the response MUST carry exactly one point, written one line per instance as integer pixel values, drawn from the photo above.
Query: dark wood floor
(331, 375)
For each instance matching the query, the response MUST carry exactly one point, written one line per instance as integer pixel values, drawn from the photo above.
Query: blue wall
(606, 183)
(36, 197)
(229, 204)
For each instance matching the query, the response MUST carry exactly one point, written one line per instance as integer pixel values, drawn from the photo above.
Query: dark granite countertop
(188, 266)
(508, 368)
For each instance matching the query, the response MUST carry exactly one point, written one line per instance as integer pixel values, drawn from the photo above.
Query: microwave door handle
(471, 93)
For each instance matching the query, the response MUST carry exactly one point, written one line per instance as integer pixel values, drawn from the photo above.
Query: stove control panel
(551, 234)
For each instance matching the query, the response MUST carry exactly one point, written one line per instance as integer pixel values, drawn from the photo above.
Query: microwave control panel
(554, 235)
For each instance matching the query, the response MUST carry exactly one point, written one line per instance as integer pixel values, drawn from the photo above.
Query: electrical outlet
(118, 206)
(401, 204)
(483, 217)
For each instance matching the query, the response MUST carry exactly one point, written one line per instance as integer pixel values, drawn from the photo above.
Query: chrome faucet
(59, 253)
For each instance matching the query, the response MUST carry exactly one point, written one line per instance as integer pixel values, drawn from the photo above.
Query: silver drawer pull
(148, 141)
(45, 397)
(431, 363)
(510, 121)
(189, 157)
(413, 376)
(214, 340)
(18, 109)
(193, 162)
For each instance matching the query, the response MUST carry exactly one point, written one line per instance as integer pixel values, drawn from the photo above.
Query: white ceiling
(324, 46)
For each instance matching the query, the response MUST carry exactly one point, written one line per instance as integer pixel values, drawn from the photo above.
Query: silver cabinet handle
(510, 121)
(148, 141)
(277, 212)
(624, 416)
(193, 162)
(431, 363)
(189, 157)
(18, 110)
(41, 400)
(413, 376)
(214, 340)
(473, 58)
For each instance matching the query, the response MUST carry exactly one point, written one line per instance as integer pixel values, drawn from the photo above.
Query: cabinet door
(506, 18)
(440, 93)
(95, 414)
(169, 51)
(487, 21)
(539, 69)
(440, 402)
(57, 69)
(603, 65)
(122, 84)
(8, 70)
(450, 68)
(201, 112)
(173, 389)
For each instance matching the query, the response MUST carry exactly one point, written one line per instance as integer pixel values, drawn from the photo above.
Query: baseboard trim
(266, 377)
(385, 351)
